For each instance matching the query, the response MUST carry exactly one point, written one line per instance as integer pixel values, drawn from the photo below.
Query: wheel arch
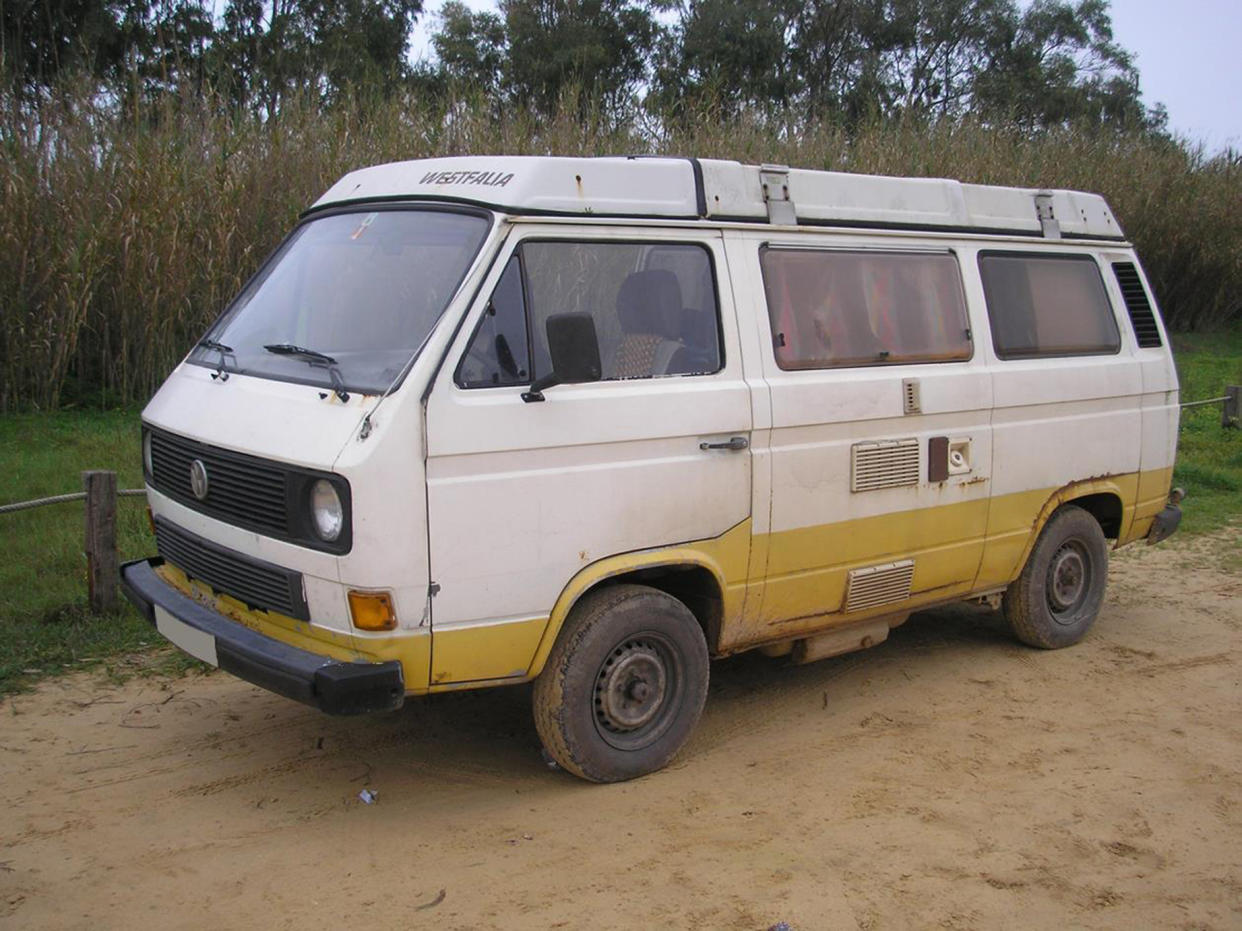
(1103, 498)
(687, 574)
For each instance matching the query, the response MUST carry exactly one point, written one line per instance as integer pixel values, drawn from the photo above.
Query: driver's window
(499, 353)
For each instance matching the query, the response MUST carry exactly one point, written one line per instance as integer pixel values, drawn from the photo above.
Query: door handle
(736, 442)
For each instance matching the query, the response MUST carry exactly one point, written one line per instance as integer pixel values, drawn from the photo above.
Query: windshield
(348, 299)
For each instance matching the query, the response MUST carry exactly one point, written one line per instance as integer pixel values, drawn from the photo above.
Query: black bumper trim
(331, 685)
(1165, 524)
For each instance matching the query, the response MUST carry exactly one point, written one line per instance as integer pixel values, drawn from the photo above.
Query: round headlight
(146, 454)
(326, 510)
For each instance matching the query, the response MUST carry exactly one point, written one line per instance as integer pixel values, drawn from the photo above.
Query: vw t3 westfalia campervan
(589, 422)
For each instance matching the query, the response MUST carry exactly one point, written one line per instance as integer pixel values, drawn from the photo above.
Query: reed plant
(124, 232)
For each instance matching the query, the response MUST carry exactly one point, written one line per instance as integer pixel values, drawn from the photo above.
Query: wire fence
(1229, 404)
(1219, 400)
(60, 499)
(100, 494)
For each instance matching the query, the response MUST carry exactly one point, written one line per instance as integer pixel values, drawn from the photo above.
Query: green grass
(1209, 458)
(46, 627)
(45, 623)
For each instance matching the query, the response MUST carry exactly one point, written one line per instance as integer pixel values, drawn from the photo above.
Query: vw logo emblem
(198, 479)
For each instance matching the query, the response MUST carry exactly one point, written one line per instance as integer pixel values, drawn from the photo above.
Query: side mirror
(574, 349)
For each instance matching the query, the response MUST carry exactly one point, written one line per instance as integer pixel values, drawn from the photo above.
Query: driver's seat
(649, 311)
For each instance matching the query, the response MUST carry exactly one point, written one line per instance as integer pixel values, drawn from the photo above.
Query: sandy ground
(948, 777)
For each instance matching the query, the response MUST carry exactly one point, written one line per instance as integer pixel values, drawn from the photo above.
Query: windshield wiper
(225, 351)
(314, 357)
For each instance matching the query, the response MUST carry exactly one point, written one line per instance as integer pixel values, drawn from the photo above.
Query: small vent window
(1142, 316)
(499, 353)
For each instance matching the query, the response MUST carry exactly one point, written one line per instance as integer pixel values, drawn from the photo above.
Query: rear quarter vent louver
(1142, 316)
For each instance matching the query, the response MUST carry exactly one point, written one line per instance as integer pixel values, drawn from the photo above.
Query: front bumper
(1165, 523)
(333, 686)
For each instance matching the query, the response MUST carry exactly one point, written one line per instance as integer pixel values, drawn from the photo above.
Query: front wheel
(1055, 600)
(624, 685)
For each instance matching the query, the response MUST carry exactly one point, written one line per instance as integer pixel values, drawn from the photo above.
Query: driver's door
(524, 496)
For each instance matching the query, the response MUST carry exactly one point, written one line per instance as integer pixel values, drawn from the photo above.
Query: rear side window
(831, 309)
(1047, 305)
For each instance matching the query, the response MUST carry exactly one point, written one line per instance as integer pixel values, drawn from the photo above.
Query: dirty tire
(1056, 599)
(624, 686)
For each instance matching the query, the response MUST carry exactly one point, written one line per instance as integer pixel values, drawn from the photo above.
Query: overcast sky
(1189, 56)
(1188, 52)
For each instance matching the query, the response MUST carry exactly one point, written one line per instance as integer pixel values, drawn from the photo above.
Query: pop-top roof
(681, 188)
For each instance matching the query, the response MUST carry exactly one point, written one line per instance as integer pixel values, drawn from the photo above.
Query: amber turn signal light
(372, 611)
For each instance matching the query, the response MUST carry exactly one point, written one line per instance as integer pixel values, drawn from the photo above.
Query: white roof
(681, 188)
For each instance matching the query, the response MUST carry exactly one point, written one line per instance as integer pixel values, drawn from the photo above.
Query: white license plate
(198, 644)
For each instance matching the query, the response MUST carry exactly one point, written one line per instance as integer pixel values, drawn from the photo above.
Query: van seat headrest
(650, 302)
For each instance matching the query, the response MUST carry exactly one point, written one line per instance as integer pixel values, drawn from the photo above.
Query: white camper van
(591, 422)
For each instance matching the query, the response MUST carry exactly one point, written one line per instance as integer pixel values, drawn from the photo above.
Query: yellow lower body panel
(958, 550)
(807, 569)
(469, 657)
(412, 650)
(727, 558)
(462, 657)
(774, 587)
(1153, 495)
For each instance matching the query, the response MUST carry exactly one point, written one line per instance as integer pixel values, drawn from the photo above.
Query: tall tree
(937, 49)
(1056, 62)
(839, 50)
(41, 39)
(360, 43)
(267, 49)
(162, 47)
(599, 47)
(471, 47)
(731, 53)
(260, 52)
(1052, 62)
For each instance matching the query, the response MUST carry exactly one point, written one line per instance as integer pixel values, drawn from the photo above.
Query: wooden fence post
(101, 560)
(1229, 410)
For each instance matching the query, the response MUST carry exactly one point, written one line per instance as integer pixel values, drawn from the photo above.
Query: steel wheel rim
(1069, 580)
(637, 691)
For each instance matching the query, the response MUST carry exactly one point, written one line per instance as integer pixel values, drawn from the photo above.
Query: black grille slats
(258, 584)
(241, 489)
(1142, 316)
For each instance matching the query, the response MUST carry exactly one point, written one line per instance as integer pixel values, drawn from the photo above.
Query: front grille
(258, 584)
(268, 497)
(241, 489)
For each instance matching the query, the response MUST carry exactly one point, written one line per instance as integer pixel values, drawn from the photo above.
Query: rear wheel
(624, 685)
(1056, 599)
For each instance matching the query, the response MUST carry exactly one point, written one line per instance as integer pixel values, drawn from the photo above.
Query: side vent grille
(1142, 317)
(888, 464)
(879, 585)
